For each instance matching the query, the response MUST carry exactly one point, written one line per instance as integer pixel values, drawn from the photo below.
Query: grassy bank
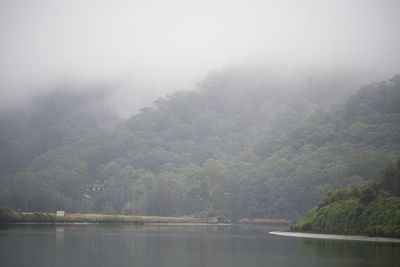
(11, 216)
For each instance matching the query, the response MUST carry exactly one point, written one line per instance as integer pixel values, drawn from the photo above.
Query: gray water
(180, 245)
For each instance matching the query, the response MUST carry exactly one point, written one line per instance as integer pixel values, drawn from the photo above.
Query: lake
(180, 245)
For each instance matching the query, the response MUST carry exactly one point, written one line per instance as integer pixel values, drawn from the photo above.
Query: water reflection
(354, 253)
(60, 236)
(174, 246)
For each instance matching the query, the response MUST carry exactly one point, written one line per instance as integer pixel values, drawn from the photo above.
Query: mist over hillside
(237, 108)
(241, 145)
(186, 132)
(152, 48)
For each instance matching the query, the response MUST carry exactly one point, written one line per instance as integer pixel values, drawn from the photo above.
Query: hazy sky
(157, 46)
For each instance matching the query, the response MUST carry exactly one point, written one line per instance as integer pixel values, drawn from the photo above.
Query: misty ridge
(242, 145)
(240, 109)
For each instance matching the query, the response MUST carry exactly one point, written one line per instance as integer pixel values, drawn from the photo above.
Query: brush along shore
(11, 216)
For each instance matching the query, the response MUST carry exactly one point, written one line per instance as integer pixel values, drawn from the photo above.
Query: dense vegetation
(240, 146)
(9, 216)
(372, 209)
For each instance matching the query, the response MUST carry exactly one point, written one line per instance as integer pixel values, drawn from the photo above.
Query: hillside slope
(238, 146)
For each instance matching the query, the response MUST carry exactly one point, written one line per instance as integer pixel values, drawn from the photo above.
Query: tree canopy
(236, 146)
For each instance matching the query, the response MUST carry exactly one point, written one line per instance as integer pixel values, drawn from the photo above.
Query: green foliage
(390, 181)
(370, 211)
(8, 215)
(367, 195)
(238, 146)
(341, 194)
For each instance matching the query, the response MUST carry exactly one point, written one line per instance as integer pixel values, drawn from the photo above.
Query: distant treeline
(237, 146)
(372, 209)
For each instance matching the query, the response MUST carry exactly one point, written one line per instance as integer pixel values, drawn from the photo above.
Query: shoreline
(16, 217)
(81, 218)
(118, 223)
(337, 237)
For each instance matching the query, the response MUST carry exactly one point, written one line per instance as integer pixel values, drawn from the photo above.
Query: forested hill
(238, 146)
(372, 209)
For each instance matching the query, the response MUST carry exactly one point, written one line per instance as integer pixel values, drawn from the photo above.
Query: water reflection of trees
(356, 253)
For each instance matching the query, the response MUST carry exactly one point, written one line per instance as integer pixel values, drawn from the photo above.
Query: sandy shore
(337, 237)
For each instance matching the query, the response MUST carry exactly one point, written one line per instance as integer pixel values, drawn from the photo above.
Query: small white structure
(60, 213)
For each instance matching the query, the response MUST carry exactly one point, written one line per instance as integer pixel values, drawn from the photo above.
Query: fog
(151, 48)
(280, 113)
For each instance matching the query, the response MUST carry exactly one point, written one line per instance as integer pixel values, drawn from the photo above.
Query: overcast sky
(153, 47)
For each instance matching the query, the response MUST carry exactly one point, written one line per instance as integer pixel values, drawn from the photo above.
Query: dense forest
(239, 146)
(372, 209)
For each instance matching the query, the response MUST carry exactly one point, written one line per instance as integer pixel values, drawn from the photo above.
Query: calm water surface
(180, 245)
